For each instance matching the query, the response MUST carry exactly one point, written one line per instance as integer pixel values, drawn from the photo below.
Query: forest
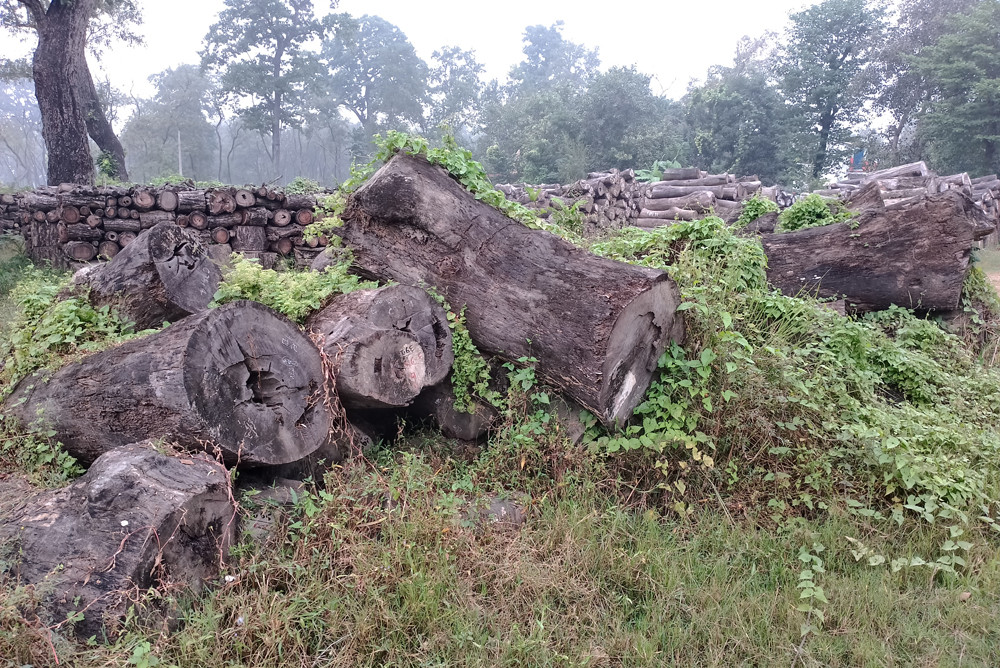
(303, 95)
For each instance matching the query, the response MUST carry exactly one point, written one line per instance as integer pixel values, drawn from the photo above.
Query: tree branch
(35, 7)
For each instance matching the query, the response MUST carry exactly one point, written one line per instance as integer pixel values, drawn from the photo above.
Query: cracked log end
(164, 275)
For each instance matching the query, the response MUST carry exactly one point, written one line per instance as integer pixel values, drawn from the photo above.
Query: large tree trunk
(162, 276)
(98, 127)
(58, 65)
(914, 255)
(385, 345)
(240, 377)
(597, 327)
(135, 519)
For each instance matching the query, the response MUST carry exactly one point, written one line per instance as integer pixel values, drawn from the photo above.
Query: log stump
(240, 377)
(135, 519)
(164, 275)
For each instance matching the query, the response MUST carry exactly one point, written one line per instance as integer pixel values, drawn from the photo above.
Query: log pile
(907, 184)
(608, 200)
(691, 194)
(69, 225)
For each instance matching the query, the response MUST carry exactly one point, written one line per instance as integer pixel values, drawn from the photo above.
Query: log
(166, 200)
(136, 519)
(70, 215)
(596, 326)
(701, 201)
(80, 251)
(240, 377)
(304, 217)
(911, 169)
(257, 216)
(282, 217)
(116, 225)
(164, 275)
(108, 249)
(125, 238)
(191, 200)
(225, 220)
(386, 345)
(249, 238)
(283, 246)
(869, 197)
(148, 219)
(915, 256)
(221, 201)
(244, 198)
(144, 200)
(679, 174)
(220, 235)
(198, 220)
(438, 403)
(669, 214)
(301, 201)
(660, 191)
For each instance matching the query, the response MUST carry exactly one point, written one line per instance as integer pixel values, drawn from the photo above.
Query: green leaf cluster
(754, 208)
(296, 294)
(811, 211)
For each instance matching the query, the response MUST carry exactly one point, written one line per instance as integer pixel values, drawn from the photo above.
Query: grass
(351, 580)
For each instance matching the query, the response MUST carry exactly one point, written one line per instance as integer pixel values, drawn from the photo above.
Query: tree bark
(162, 276)
(386, 345)
(98, 127)
(239, 377)
(58, 64)
(915, 256)
(135, 519)
(597, 327)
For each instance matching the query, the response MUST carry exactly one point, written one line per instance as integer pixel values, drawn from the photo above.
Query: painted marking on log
(627, 386)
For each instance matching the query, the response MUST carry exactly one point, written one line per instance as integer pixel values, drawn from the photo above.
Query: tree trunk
(98, 127)
(58, 64)
(597, 327)
(914, 256)
(386, 345)
(162, 276)
(239, 377)
(135, 519)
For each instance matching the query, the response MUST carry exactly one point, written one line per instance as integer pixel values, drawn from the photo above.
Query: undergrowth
(754, 208)
(811, 211)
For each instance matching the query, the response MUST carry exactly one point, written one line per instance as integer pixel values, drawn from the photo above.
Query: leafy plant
(811, 211)
(303, 186)
(296, 294)
(655, 172)
(754, 208)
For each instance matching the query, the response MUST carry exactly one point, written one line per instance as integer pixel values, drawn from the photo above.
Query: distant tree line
(281, 92)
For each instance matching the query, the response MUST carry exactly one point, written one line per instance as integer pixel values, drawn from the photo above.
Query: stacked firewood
(72, 224)
(608, 200)
(9, 218)
(908, 183)
(690, 194)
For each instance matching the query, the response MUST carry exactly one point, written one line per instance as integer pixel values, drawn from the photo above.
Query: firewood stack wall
(608, 200)
(611, 200)
(907, 183)
(70, 225)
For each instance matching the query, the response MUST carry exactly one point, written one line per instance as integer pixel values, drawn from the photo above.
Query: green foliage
(470, 372)
(296, 294)
(303, 186)
(811, 211)
(655, 173)
(569, 218)
(45, 331)
(754, 208)
(35, 452)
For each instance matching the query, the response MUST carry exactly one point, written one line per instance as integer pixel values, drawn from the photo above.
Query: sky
(673, 41)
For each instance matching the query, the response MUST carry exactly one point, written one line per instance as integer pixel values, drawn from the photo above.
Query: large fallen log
(385, 345)
(164, 275)
(136, 519)
(240, 378)
(915, 255)
(597, 327)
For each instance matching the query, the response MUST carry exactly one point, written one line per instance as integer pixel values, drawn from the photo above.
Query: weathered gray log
(135, 519)
(910, 169)
(386, 345)
(597, 327)
(914, 256)
(239, 377)
(249, 238)
(669, 214)
(164, 275)
(438, 403)
(701, 201)
(866, 198)
(667, 190)
(681, 173)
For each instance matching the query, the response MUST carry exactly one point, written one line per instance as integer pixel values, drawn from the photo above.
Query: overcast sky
(672, 40)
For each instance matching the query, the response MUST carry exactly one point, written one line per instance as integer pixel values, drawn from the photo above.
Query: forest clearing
(326, 347)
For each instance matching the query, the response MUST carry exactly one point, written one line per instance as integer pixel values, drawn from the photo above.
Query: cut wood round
(124, 213)
(220, 235)
(108, 249)
(240, 377)
(111, 212)
(164, 275)
(143, 200)
(282, 217)
(198, 220)
(304, 217)
(244, 198)
(283, 246)
(111, 236)
(249, 238)
(125, 201)
(386, 345)
(221, 201)
(182, 221)
(125, 238)
(81, 251)
(135, 515)
(94, 221)
(166, 200)
(596, 326)
(70, 215)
